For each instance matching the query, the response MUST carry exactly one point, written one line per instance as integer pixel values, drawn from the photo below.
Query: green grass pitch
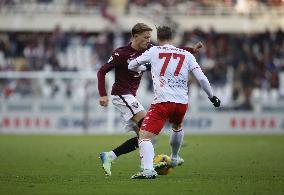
(70, 165)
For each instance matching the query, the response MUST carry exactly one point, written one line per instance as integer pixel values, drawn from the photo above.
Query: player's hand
(104, 101)
(197, 46)
(216, 101)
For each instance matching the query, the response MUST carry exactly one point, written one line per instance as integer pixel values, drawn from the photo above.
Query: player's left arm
(203, 81)
(205, 85)
(138, 64)
(193, 49)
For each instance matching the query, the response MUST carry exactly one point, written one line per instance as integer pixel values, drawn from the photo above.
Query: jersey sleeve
(111, 63)
(203, 81)
(140, 61)
(193, 63)
(115, 58)
(200, 76)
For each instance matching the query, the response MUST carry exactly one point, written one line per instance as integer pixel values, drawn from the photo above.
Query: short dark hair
(164, 33)
(140, 28)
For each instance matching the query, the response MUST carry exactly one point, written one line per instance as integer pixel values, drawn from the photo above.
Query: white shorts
(128, 106)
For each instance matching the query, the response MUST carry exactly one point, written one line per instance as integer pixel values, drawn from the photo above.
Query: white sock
(146, 150)
(176, 139)
(112, 155)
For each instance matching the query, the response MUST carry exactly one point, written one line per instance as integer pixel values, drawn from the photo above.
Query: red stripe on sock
(142, 140)
(177, 130)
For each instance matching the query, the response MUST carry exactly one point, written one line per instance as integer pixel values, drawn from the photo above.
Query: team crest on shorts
(135, 104)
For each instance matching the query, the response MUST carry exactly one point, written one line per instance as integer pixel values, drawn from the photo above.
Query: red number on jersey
(180, 62)
(167, 60)
(166, 63)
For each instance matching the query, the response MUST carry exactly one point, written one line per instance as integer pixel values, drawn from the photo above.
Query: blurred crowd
(144, 2)
(256, 58)
(56, 51)
(116, 7)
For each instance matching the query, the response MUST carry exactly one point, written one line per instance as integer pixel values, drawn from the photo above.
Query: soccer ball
(163, 158)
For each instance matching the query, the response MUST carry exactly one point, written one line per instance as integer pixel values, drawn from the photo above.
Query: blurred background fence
(50, 51)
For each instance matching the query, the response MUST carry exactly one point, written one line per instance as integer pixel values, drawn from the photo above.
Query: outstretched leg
(126, 147)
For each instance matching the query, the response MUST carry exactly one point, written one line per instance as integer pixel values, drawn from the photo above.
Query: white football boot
(106, 163)
(145, 174)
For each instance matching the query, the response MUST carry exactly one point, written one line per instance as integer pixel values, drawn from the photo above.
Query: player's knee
(143, 134)
(176, 127)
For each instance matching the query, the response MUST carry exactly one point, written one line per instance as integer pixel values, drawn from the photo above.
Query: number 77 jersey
(170, 67)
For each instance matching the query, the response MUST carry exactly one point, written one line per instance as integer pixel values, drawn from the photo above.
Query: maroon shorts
(159, 113)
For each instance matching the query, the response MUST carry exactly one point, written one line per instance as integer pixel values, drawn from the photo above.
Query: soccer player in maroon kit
(124, 90)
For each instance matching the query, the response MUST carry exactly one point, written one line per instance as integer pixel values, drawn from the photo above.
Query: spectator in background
(59, 39)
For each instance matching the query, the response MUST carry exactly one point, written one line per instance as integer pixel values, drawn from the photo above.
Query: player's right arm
(101, 75)
(114, 59)
(138, 64)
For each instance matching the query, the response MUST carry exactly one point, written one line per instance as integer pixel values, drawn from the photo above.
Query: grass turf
(70, 165)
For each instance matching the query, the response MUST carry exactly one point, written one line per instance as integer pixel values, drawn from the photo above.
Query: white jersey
(170, 67)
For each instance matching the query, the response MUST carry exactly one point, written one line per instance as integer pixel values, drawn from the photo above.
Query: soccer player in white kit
(170, 67)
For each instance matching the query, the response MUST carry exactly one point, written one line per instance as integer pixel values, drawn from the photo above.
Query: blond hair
(140, 28)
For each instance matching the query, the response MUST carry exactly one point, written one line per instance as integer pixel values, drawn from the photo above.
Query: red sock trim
(143, 140)
(177, 130)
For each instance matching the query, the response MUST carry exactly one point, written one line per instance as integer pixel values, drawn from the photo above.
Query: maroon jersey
(126, 81)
